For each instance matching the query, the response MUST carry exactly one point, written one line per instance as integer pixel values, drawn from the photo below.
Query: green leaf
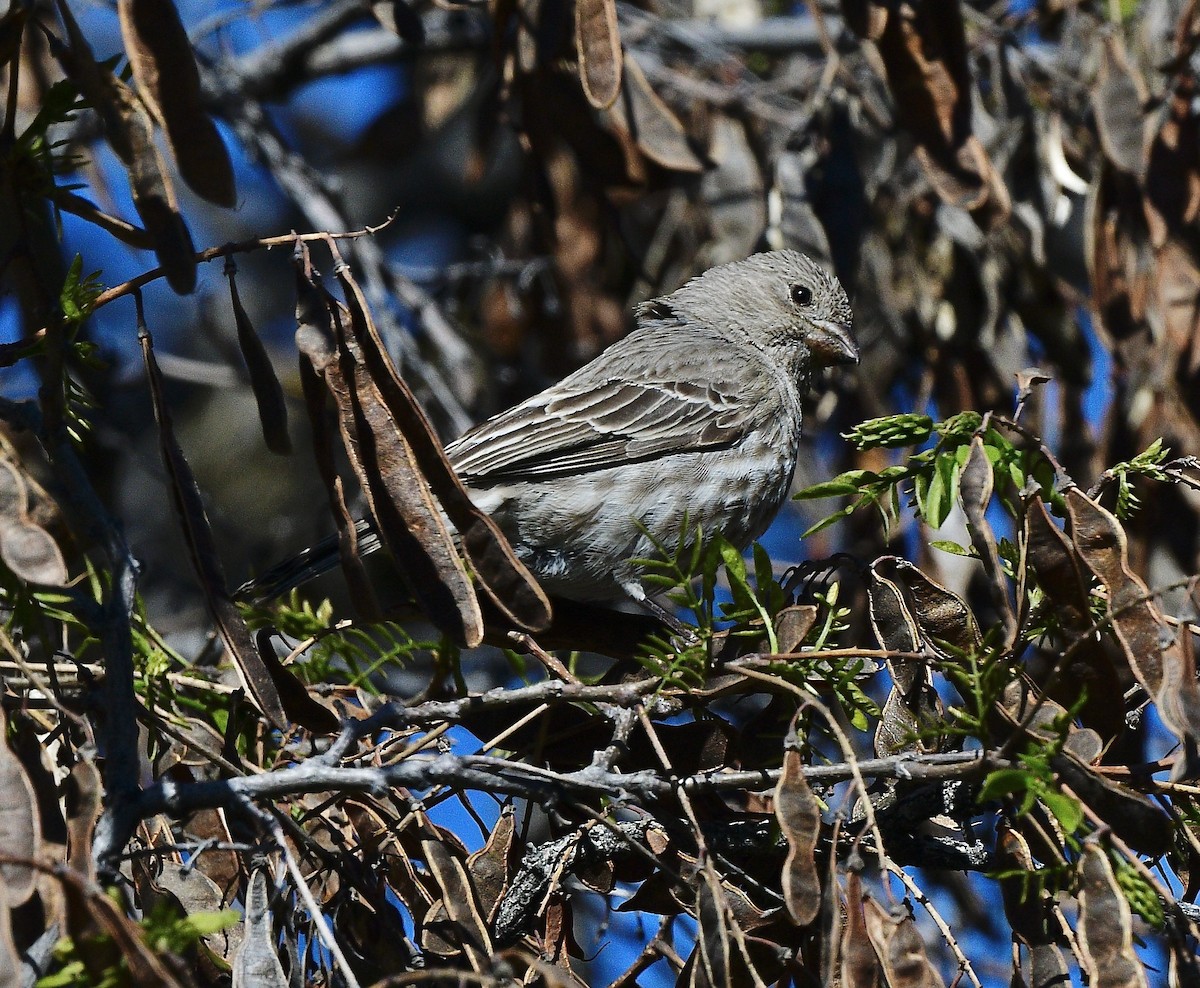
(937, 497)
(846, 483)
(735, 565)
(743, 594)
(1028, 799)
(72, 974)
(1003, 782)
(764, 573)
(954, 548)
(921, 490)
(201, 924)
(1066, 809)
(824, 523)
(78, 293)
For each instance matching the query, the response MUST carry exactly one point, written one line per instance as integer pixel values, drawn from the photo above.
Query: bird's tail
(304, 566)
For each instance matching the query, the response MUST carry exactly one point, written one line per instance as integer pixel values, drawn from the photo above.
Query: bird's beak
(832, 343)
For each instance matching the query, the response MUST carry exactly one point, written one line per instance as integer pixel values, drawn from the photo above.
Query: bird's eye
(802, 295)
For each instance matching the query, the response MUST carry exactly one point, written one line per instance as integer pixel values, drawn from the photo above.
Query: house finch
(693, 420)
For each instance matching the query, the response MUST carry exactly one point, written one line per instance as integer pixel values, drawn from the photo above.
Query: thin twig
(964, 965)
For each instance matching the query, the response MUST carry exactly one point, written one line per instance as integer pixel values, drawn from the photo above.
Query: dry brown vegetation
(195, 790)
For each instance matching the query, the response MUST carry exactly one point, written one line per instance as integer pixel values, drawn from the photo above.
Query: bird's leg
(670, 620)
(684, 633)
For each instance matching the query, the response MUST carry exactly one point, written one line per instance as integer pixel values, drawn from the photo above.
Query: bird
(692, 422)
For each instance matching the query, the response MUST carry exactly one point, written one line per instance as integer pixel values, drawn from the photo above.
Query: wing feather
(578, 427)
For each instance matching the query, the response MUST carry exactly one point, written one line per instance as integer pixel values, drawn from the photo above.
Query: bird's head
(780, 298)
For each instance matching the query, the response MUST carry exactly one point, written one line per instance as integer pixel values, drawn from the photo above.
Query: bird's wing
(578, 427)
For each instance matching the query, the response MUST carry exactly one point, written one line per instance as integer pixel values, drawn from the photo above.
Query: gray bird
(695, 415)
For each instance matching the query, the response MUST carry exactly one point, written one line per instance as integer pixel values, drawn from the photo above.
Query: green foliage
(166, 932)
(1139, 893)
(690, 573)
(930, 477)
(1031, 782)
(79, 292)
(890, 432)
(59, 105)
(834, 620)
(32, 160)
(341, 651)
(980, 677)
(1147, 463)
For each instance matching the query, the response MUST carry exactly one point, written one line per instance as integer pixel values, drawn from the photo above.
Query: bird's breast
(579, 532)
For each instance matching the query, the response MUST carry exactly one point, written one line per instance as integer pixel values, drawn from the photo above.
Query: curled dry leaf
(466, 924)
(894, 627)
(1133, 816)
(314, 342)
(734, 195)
(713, 956)
(25, 546)
(1028, 380)
(651, 124)
(372, 938)
(508, 582)
(1166, 673)
(1105, 928)
(1059, 571)
(20, 826)
(722, 911)
(1056, 566)
(1173, 172)
(829, 921)
(1117, 99)
(268, 392)
(256, 963)
(299, 705)
(598, 40)
(202, 548)
(131, 134)
(402, 879)
(975, 493)
(1118, 268)
(81, 801)
(1025, 909)
(799, 226)
(557, 937)
(899, 947)
(164, 68)
(491, 866)
(401, 506)
(745, 913)
(860, 968)
(657, 894)
(913, 706)
(799, 815)
(792, 625)
(946, 624)
(924, 53)
(32, 554)
(196, 893)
